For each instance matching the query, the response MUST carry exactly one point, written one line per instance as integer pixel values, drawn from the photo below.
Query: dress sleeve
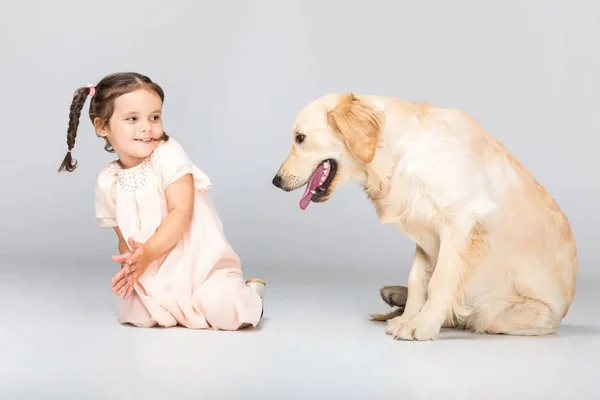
(105, 199)
(172, 162)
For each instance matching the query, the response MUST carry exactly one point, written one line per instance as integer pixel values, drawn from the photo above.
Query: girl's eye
(156, 117)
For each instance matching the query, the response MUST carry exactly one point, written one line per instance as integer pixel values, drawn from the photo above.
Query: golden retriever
(494, 252)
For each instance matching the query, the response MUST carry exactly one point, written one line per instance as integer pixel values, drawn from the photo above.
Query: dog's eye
(300, 138)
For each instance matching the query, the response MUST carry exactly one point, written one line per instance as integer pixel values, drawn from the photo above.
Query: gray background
(235, 75)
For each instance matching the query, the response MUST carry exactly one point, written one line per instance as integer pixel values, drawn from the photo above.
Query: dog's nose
(277, 180)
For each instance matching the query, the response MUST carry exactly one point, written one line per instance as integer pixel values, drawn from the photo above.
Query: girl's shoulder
(169, 156)
(105, 188)
(108, 174)
(169, 151)
(171, 161)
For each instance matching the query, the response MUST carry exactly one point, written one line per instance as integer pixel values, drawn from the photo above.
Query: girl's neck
(129, 162)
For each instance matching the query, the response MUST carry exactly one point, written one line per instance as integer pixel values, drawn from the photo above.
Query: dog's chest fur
(402, 202)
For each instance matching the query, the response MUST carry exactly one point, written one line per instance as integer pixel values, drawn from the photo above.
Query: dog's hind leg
(525, 317)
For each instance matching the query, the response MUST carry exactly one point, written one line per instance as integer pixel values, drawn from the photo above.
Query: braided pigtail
(69, 164)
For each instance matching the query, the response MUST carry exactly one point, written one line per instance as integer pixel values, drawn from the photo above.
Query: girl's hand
(119, 281)
(133, 266)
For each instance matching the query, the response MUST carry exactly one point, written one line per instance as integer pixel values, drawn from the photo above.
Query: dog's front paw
(394, 325)
(418, 328)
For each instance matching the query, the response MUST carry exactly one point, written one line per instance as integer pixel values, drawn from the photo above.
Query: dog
(494, 252)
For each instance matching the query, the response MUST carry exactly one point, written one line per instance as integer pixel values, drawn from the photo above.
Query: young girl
(177, 267)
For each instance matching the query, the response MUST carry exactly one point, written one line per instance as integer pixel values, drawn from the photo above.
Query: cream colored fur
(494, 252)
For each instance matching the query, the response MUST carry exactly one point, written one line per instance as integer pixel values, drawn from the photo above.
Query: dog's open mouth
(318, 183)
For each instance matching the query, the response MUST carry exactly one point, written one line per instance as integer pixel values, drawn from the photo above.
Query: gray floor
(59, 339)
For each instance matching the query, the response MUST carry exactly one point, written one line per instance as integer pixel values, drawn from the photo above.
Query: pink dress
(199, 283)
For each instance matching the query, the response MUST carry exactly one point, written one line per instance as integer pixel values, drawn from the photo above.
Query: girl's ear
(99, 126)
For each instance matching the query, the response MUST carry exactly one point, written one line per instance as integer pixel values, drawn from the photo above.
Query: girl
(177, 267)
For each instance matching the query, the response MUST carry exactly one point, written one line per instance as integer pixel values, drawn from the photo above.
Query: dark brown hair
(102, 106)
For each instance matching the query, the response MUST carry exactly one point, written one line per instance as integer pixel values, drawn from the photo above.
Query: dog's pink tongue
(312, 185)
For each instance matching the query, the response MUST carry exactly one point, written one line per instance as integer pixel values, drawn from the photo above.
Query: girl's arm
(180, 205)
(123, 248)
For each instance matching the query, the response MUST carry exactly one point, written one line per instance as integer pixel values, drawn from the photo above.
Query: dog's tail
(394, 296)
(384, 317)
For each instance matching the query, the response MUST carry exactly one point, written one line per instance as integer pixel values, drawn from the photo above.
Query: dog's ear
(358, 124)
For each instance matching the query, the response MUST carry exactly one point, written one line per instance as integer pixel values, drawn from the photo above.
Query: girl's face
(135, 127)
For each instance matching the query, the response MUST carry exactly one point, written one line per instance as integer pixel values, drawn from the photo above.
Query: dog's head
(333, 140)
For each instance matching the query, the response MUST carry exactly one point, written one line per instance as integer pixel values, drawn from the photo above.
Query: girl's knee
(133, 312)
(231, 310)
(227, 303)
(220, 312)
